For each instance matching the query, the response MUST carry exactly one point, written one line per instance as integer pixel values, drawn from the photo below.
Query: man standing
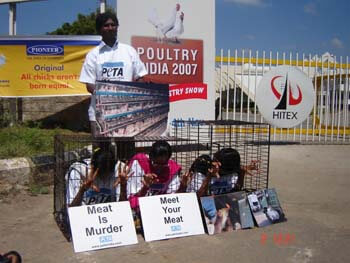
(109, 61)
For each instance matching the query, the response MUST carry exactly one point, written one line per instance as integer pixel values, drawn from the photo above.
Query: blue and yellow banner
(43, 66)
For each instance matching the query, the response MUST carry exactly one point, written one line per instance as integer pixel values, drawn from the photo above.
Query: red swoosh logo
(274, 90)
(292, 100)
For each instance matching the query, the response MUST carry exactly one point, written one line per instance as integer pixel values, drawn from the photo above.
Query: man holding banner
(109, 61)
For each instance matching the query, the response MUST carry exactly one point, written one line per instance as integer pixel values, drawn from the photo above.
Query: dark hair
(102, 18)
(159, 149)
(201, 164)
(12, 253)
(104, 160)
(230, 161)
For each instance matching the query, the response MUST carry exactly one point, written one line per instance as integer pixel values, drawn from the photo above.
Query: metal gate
(238, 76)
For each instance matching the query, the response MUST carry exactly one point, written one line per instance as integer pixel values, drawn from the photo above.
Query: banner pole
(12, 31)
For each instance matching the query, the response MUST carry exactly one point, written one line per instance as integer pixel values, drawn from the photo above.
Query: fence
(238, 76)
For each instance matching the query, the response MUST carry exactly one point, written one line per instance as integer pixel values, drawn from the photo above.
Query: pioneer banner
(43, 66)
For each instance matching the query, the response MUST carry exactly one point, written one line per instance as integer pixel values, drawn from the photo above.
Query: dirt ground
(313, 185)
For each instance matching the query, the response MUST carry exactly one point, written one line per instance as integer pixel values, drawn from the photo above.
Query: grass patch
(39, 189)
(24, 141)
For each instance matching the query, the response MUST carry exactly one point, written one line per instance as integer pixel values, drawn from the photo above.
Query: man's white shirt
(118, 63)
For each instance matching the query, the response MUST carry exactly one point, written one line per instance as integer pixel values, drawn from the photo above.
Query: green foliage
(5, 119)
(36, 189)
(83, 25)
(23, 141)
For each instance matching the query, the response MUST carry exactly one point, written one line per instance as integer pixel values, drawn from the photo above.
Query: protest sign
(102, 226)
(174, 215)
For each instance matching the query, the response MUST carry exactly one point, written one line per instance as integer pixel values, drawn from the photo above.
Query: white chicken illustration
(178, 28)
(170, 28)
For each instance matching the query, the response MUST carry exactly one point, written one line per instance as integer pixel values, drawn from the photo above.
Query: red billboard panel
(171, 62)
(188, 91)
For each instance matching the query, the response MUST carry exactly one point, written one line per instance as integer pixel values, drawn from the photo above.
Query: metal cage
(188, 140)
(251, 140)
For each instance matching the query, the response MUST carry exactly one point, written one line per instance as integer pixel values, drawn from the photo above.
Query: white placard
(102, 226)
(170, 216)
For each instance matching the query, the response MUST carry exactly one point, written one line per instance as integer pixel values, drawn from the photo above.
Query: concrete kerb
(19, 173)
(15, 171)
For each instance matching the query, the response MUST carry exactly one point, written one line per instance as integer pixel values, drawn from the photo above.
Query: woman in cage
(153, 174)
(221, 175)
(95, 181)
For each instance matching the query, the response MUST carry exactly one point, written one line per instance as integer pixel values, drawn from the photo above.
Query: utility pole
(15, 104)
(12, 19)
(12, 12)
(102, 6)
(12, 32)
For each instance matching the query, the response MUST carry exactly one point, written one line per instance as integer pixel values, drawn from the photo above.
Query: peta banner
(175, 215)
(43, 66)
(176, 41)
(102, 226)
(285, 96)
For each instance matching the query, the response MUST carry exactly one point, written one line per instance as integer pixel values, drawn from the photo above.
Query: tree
(84, 25)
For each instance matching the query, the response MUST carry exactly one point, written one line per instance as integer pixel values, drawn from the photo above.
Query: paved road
(313, 184)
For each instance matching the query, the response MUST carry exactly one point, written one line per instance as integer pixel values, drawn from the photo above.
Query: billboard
(178, 48)
(169, 63)
(43, 66)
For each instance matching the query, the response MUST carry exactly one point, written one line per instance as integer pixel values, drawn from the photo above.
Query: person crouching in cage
(230, 177)
(202, 172)
(95, 181)
(153, 174)
(220, 175)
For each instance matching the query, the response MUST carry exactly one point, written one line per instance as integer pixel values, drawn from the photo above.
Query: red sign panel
(188, 91)
(171, 62)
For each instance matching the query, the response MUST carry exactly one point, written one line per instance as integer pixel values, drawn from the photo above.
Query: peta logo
(175, 228)
(106, 239)
(113, 71)
(285, 96)
(45, 50)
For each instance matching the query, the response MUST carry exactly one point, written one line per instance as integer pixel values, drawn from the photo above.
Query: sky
(298, 26)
